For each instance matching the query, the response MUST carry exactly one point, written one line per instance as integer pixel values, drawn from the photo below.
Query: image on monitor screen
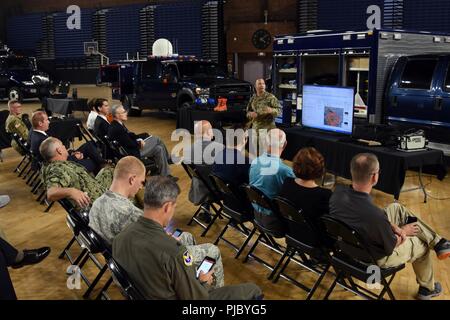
(328, 108)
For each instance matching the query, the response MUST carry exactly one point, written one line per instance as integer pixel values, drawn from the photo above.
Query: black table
(393, 163)
(65, 106)
(65, 129)
(187, 116)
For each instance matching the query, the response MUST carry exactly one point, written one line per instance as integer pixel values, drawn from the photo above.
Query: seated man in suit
(101, 124)
(134, 145)
(87, 155)
(15, 124)
(66, 179)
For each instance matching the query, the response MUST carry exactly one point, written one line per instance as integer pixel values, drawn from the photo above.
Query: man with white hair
(135, 145)
(267, 173)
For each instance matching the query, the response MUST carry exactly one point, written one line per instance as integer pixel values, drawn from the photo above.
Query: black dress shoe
(32, 257)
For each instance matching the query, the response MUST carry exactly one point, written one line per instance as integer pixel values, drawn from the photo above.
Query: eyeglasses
(123, 112)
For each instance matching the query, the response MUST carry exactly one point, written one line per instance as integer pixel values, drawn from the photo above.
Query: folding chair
(266, 235)
(304, 238)
(352, 259)
(122, 280)
(90, 242)
(239, 210)
(119, 152)
(23, 145)
(210, 202)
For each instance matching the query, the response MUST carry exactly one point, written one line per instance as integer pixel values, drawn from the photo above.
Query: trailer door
(442, 102)
(412, 95)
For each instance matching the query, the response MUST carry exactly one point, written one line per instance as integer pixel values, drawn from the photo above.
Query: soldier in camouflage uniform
(66, 179)
(15, 124)
(161, 267)
(113, 211)
(262, 110)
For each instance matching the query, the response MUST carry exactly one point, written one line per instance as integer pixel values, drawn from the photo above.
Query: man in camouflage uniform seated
(161, 267)
(67, 179)
(15, 124)
(113, 211)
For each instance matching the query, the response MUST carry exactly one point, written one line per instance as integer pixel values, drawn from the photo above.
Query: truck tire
(185, 102)
(127, 103)
(15, 94)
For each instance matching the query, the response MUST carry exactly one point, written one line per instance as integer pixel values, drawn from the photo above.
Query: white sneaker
(4, 200)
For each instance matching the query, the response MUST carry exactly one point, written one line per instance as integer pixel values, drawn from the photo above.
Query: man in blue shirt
(267, 173)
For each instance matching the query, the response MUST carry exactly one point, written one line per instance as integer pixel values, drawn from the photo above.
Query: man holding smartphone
(394, 235)
(113, 211)
(162, 267)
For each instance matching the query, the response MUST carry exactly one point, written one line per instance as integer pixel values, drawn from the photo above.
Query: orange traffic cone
(221, 105)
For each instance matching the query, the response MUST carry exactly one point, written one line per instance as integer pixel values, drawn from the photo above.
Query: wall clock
(261, 39)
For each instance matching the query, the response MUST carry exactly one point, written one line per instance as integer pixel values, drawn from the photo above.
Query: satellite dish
(162, 47)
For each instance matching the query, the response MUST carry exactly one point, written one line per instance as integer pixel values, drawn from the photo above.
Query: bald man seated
(202, 153)
(113, 212)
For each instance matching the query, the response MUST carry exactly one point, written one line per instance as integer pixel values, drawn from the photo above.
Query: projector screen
(328, 108)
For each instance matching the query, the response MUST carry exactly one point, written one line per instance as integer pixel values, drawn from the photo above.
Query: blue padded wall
(69, 43)
(24, 32)
(122, 31)
(430, 15)
(180, 23)
(344, 15)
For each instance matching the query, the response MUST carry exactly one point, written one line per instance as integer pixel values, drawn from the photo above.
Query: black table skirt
(64, 129)
(187, 116)
(393, 163)
(65, 106)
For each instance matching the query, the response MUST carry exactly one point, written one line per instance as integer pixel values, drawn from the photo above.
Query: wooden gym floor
(27, 226)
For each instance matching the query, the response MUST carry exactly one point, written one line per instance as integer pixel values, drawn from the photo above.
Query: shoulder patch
(17, 125)
(187, 258)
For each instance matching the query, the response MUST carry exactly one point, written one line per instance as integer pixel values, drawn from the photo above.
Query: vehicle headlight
(28, 83)
(40, 79)
(202, 91)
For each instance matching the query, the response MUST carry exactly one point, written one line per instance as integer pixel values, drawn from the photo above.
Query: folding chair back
(234, 200)
(348, 241)
(124, 283)
(299, 227)
(195, 171)
(23, 145)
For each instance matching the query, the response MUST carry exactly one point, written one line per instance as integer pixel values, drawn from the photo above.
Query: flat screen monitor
(328, 108)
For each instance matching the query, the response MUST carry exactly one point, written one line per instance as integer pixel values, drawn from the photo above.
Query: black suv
(172, 83)
(20, 78)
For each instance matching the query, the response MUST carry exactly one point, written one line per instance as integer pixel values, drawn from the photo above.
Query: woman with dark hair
(302, 191)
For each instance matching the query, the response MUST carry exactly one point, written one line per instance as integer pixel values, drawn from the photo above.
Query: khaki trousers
(415, 249)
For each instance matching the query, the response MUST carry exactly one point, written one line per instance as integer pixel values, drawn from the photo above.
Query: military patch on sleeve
(187, 258)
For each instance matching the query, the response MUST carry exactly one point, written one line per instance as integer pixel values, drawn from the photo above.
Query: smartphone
(206, 265)
(177, 233)
(411, 220)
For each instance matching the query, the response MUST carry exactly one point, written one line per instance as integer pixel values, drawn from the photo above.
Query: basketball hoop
(91, 48)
